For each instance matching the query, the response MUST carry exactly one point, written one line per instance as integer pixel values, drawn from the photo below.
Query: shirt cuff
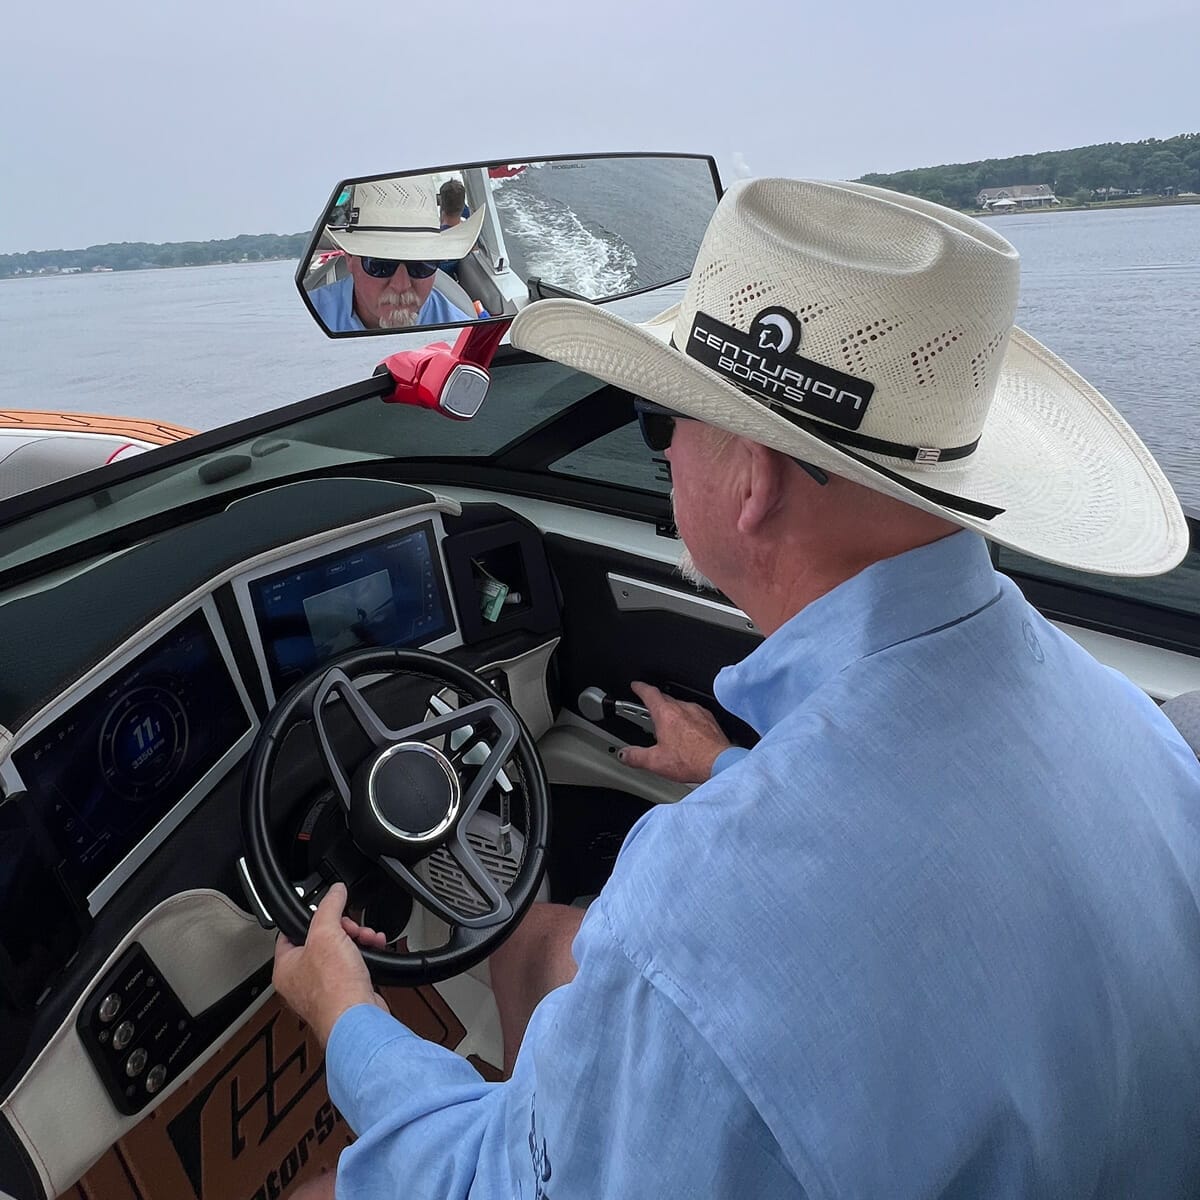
(727, 758)
(357, 1037)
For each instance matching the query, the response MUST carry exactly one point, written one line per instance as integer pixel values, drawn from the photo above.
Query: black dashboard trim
(45, 646)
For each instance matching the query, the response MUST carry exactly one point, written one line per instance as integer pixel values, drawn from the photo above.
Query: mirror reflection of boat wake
(552, 242)
(603, 229)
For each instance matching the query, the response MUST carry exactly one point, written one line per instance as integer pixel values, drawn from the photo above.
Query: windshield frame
(520, 465)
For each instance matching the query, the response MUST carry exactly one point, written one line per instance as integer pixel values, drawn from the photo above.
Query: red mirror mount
(451, 379)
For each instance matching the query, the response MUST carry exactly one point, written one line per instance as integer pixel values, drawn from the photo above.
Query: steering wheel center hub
(414, 793)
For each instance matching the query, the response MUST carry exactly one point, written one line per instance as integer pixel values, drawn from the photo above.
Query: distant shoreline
(117, 257)
(256, 262)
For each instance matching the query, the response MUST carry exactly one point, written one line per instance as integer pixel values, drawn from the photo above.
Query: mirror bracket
(453, 380)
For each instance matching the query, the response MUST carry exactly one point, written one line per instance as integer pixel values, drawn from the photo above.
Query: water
(198, 346)
(1116, 293)
(619, 224)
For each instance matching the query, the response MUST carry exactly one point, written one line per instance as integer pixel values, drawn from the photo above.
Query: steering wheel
(413, 794)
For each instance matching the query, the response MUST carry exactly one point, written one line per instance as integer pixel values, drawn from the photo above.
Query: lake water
(1116, 293)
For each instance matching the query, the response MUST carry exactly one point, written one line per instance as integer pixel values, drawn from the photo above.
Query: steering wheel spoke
(342, 860)
(336, 682)
(460, 723)
(313, 887)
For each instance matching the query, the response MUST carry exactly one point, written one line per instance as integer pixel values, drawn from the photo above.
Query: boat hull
(41, 447)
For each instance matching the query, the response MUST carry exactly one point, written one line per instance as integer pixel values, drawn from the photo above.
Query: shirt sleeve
(727, 758)
(614, 1094)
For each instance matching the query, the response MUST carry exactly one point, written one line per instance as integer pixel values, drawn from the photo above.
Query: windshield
(348, 427)
(544, 430)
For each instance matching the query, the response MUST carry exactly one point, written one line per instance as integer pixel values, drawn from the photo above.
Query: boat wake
(559, 247)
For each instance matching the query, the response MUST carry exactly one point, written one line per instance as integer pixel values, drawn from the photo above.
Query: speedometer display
(109, 769)
(144, 741)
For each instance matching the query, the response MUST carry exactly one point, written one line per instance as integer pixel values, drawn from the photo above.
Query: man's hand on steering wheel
(323, 978)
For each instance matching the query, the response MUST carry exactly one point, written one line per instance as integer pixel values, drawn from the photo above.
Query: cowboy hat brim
(1075, 483)
(414, 245)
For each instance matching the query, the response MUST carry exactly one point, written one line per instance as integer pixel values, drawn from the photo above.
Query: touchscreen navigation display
(389, 592)
(108, 770)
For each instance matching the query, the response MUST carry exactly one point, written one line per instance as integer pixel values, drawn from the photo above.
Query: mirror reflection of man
(394, 245)
(452, 200)
(454, 210)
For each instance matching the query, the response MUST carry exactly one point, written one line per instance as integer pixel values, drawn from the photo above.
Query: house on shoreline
(1017, 195)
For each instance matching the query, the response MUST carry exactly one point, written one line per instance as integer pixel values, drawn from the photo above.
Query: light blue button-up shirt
(334, 303)
(936, 935)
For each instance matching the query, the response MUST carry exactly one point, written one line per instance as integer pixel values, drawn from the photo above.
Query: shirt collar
(890, 602)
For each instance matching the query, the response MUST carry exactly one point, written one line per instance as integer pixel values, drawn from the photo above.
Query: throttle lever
(596, 705)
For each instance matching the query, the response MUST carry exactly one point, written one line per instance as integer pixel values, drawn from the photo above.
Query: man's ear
(762, 486)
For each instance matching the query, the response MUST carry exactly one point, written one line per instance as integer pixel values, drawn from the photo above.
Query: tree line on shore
(139, 256)
(1160, 167)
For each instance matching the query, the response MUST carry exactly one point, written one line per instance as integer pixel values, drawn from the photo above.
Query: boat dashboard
(133, 685)
(122, 729)
(133, 943)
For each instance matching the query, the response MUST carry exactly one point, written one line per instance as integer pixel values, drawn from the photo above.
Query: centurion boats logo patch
(764, 362)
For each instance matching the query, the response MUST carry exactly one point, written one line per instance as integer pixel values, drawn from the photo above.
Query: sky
(134, 120)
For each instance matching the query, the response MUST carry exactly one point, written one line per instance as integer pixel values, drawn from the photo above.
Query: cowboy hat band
(848, 442)
(399, 218)
(872, 334)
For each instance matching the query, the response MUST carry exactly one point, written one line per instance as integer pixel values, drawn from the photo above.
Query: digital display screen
(106, 772)
(389, 592)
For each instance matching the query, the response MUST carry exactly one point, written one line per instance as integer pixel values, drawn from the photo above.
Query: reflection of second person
(452, 201)
(453, 210)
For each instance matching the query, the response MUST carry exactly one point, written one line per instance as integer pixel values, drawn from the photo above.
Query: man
(454, 209)
(452, 201)
(394, 244)
(938, 933)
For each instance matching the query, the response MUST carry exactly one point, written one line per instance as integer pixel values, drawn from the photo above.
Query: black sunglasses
(657, 425)
(385, 268)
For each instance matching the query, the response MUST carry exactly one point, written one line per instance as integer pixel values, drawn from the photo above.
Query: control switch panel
(138, 1034)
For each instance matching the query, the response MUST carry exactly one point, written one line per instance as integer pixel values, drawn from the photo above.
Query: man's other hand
(688, 738)
(323, 978)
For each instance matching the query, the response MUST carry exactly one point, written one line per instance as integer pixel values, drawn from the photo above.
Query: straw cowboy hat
(399, 219)
(871, 334)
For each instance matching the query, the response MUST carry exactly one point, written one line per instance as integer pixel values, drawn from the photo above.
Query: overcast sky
(141, 120)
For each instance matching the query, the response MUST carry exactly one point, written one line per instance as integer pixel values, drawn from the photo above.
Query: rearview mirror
(448, 246)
